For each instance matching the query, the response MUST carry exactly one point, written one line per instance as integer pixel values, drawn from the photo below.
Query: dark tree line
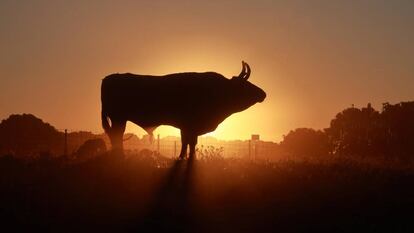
(28, 136)
(306, 142)
(25, 134)
(360, 132)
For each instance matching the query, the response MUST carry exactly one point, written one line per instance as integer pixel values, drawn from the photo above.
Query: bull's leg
(184, 144)
(193, 142)
(116, 135)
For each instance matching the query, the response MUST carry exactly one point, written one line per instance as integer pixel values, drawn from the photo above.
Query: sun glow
(234, 127)
(209, 57)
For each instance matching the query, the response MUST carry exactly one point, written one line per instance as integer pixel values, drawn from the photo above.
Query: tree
(26, 134)
(398, 126)
(355, 131)
(306, 142)
(365, 131)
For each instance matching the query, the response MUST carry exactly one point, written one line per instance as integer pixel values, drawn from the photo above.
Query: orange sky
(313, 58)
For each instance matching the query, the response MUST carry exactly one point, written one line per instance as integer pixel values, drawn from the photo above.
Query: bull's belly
(152, 123)
(198, 128)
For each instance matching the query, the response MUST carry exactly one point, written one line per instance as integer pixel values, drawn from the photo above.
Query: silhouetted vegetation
(91, 148)
(28, 137)
(367, 132)
(306, 142)
(363, 133)
(148, 193)
(330, 188)
(25, 134)
(360, 133)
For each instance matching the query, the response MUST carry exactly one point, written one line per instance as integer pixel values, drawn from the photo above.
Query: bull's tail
(104, 113)
(105, 121)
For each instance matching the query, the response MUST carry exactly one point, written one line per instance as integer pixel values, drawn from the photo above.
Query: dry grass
(149, 192)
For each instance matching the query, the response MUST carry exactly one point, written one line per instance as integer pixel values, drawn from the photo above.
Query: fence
(253, 149)
(70, 141)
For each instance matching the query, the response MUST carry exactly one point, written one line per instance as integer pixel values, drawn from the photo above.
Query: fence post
(256, 144)
(250, 147)
(158, 143)
(65, 152)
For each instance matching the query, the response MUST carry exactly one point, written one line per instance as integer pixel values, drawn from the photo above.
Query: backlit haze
(313, 58)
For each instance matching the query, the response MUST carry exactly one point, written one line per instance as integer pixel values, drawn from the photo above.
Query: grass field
(144, 193)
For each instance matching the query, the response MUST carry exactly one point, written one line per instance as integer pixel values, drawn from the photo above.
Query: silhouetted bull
(196, 103)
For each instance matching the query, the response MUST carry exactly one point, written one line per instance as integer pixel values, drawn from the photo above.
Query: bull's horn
(247, 75)
(243, 72)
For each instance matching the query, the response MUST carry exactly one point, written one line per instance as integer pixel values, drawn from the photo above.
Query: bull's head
(246, 92)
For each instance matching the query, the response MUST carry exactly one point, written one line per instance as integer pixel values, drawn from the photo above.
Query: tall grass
(146, 191)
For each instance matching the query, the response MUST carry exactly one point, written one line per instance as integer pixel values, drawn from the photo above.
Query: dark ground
(146, 194)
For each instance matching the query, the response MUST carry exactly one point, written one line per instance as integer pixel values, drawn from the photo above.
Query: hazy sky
(313, 58)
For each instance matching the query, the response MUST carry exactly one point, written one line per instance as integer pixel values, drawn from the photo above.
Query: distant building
(255, 137)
